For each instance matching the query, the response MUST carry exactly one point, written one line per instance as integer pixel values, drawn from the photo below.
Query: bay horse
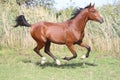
(69, 32)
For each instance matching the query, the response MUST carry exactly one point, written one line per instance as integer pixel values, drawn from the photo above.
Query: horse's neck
(80, 21)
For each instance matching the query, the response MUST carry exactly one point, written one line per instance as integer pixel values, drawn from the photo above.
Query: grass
(25, 65)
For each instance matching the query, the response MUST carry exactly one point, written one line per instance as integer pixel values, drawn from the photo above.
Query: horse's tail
(21, 21)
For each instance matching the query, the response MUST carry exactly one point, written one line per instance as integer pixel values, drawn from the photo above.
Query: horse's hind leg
(36, 49)
(47, 50)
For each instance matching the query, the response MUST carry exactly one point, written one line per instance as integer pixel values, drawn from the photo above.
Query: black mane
(77, 11)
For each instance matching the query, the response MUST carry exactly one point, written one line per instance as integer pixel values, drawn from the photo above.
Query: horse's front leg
(71, 48)
(88, 50)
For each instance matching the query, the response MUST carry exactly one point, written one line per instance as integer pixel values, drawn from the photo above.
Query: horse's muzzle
(101, 20)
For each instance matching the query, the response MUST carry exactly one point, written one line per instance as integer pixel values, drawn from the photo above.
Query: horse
(67, 33)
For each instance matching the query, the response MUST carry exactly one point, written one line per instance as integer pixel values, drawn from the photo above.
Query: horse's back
(55, 32)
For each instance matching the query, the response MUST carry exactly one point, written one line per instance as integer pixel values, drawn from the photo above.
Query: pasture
(18, 61)
(25, 65)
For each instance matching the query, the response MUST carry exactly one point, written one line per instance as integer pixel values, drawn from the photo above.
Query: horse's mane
(77, 11)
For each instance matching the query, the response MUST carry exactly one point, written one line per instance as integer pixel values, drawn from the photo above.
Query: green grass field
(25, 65)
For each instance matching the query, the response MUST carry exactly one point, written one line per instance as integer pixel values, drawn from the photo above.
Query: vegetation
(17, 61)
(101, 37)
(17, 65)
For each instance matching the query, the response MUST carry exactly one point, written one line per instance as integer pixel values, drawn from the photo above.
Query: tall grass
(101, 37)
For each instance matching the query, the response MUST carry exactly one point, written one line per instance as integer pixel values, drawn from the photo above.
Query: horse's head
(93, 14)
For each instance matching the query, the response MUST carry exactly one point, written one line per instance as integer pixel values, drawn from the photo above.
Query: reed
(101, 37)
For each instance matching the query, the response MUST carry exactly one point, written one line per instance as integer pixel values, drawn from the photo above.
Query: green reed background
(101, 37)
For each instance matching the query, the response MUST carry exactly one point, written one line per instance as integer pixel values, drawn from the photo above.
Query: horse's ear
(93, 5)
(90, 4)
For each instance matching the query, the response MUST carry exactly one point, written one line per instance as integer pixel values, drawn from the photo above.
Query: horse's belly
(58, 37)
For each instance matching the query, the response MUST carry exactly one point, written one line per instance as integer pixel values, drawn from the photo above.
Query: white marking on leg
(83, 57)
(43, 60)
(58, 62)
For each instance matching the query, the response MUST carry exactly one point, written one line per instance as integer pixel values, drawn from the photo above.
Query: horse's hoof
(43, 60)
(83, 57)
(66, 58)
(58, 62)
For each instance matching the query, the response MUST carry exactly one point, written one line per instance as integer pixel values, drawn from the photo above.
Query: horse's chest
(79, 38)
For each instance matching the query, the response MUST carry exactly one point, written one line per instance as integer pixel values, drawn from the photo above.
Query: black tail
(21, 21)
